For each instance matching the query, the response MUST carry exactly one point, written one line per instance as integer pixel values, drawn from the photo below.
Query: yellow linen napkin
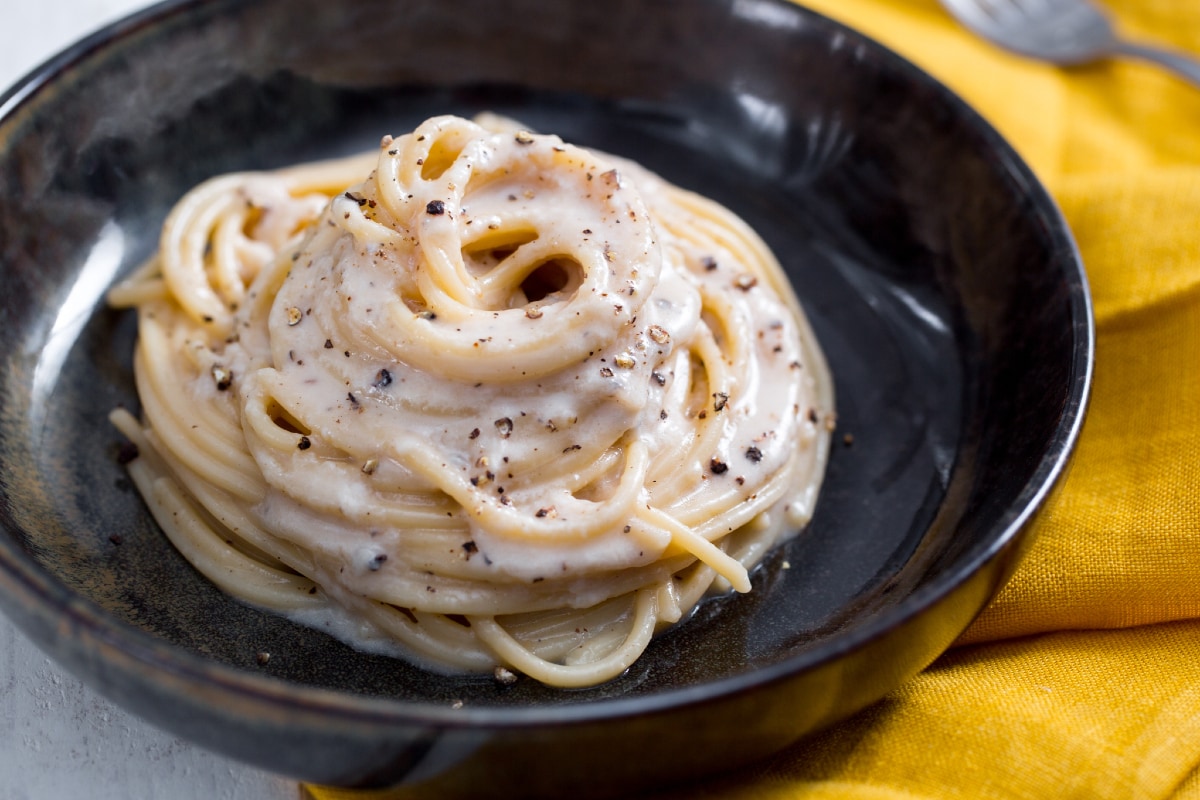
(1082, 679)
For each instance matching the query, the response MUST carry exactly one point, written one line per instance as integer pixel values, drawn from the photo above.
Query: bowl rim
(29, 586)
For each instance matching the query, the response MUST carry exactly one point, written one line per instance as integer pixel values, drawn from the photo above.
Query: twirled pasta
(505, 404)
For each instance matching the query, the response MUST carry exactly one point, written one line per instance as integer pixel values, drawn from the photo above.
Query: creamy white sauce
(403, 379)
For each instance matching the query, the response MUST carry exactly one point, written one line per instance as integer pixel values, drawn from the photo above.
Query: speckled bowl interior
(941, 280)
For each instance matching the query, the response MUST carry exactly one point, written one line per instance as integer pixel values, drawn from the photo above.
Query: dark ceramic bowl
(940, 278)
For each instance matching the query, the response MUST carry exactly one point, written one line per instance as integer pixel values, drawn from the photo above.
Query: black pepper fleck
(127, 452)
(222, 377)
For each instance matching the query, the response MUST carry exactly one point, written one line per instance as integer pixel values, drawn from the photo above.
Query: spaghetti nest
(505, 404)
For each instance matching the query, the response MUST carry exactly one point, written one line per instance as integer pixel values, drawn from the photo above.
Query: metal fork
(1060, 31)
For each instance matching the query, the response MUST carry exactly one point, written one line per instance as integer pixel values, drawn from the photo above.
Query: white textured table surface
(58, 739)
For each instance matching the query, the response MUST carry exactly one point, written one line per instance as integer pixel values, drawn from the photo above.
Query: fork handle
(1181, 65)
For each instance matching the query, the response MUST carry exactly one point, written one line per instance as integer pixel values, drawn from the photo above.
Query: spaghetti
(506, 404)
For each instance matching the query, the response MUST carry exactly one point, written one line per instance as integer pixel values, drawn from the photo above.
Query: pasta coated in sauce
(504, 404)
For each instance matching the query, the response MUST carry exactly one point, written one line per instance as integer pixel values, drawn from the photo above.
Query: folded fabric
(1082, 679)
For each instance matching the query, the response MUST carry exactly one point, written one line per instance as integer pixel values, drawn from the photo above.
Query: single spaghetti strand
(574, 676)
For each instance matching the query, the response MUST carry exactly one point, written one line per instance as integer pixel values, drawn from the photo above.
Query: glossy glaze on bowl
(940, 279)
